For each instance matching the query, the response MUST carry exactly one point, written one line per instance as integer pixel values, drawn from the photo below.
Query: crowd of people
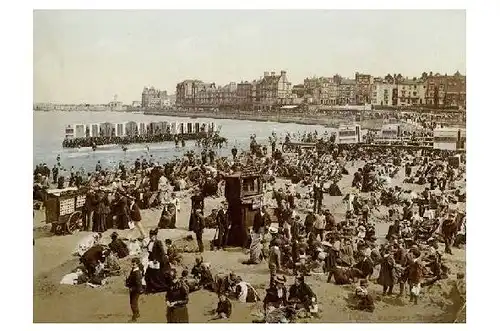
(346, 248)
(208, 139)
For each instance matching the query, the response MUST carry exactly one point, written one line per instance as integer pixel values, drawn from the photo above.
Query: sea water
(48, 134)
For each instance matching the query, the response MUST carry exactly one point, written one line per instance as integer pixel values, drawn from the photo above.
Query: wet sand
(110, 303)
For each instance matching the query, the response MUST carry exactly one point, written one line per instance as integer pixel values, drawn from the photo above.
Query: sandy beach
(63, 303)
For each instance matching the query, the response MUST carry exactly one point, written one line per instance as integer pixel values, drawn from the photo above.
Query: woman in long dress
(176, 299)
(387, 273)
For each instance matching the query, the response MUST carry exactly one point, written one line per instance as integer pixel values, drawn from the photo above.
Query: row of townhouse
(270, 90)
(274, 89)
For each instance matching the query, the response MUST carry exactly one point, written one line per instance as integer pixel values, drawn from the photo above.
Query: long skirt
(99, 222)
(177, 315)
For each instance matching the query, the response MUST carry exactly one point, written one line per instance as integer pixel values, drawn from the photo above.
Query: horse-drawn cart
(63, 209)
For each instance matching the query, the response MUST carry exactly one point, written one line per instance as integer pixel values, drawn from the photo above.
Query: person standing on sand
(415, 275)
(198, 227)
(223, 226)
(135, 216)
(197, 202)
(386, 276)
(134, 284)
(101, 211)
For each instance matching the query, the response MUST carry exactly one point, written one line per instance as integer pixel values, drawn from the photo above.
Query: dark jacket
(91, 258)
(135, 213)
(273, 298)
(365, 266)
(197, 202)
(303, 293)
(259, 221)
(224, 307)
(223, 220)
(198, 223)
(119, 247)
(158, 253)
(309, 222)
(134, 281)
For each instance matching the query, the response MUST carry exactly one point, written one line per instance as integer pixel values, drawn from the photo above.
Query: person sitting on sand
(118, 246)
(364, 300)
(224, 307)
(166, 219)
(276, 294)
(172, 253)
(196, 270)
(301, 294)
(245, 292)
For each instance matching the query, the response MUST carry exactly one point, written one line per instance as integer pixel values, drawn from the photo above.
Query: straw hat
(273, 230)
(280, 279)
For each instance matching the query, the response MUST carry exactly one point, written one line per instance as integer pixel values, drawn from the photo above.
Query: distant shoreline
(329, 120)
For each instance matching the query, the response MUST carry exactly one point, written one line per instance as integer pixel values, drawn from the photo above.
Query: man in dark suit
(223, 226)
(134, 284)
(259, 221)
(449, 229)
(318, 196)
(197, 202)
(198, 227)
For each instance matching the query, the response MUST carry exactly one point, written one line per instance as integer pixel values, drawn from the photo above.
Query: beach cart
(63, 209)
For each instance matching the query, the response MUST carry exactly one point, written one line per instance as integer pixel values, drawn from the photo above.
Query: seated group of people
(282, 304)
(98, 261)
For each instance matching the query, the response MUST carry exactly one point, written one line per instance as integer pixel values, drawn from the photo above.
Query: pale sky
(89, 55)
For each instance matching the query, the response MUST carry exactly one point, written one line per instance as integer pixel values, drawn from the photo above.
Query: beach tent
(107, 129)
(164, 127)
(143, 129)
(173, 127)
(120, 129)
(94, 130)
(79, 130)
(131, 129)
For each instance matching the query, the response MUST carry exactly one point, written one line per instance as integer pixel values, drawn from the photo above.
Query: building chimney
(266, 73)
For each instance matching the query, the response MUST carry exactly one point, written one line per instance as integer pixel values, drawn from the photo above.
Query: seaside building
(298, 90)
(443, 91)
(204, 94)
(273, 90)
(382, 92)
(153, 98)
(184, 94)
(363, 89)
(321, 91)
(410, 92)
(246, 93)
(228, 95)
(195, 93)
(346, 91)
